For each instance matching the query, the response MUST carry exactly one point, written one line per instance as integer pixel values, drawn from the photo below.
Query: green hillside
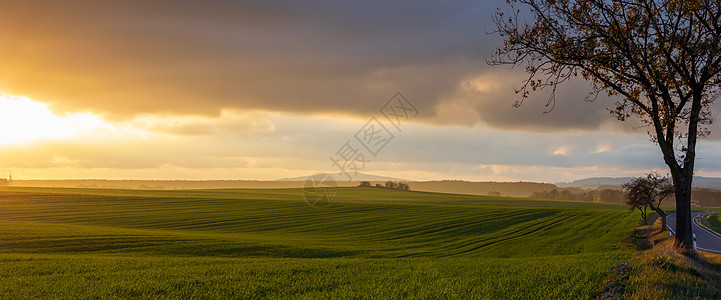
(251, 243)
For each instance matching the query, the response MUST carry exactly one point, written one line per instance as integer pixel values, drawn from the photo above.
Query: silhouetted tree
(497, 194)
(661, 59)
(649, 191)
(390, 184)
(365, 184)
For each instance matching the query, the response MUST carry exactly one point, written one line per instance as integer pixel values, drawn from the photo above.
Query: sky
(268, 89)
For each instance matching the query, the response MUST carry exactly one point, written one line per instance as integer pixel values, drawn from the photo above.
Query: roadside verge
(705, 223)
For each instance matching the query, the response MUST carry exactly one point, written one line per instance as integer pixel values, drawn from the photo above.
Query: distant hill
(343, 177)
(512, 189)
(707, 182)
(595, 182)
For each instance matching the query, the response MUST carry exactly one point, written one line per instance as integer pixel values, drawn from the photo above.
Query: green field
(250, 243)
(715, 222)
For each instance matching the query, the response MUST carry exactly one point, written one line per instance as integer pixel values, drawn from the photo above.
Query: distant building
(7, 181)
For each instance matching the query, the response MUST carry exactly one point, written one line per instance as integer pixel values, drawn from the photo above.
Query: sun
(23, 121)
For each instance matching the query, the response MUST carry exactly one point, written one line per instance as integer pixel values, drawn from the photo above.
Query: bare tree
(649, 192)
(660, 58)
(642, 207)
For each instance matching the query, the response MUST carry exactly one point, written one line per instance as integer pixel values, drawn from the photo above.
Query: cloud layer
(259, 89)
(125, 58)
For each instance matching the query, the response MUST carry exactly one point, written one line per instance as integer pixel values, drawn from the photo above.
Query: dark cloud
(123, 58)
(569, 111)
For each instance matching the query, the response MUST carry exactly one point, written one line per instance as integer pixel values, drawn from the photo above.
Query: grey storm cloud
(123, 58)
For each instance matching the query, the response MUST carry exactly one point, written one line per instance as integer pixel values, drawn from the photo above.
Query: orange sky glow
(255, 90)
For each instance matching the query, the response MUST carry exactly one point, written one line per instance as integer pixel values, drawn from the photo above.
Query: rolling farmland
(251, 243)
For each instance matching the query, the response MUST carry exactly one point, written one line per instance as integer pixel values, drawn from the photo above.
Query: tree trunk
(662, 215)
(644, 216)
(683, 177)
(684, 235)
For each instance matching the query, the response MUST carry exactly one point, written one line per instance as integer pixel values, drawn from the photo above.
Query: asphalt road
(705, 240)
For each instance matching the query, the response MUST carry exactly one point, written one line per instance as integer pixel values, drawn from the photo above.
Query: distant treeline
(700, 196)
(604, 195)
(706, 197)
(513, 189)
(388, 185)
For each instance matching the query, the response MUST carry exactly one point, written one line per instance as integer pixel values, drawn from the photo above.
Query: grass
(710, 222)
(665, 272)
(83, 276)
(715, 222)
(257, 243)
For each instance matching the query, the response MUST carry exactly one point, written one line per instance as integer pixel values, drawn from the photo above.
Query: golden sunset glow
(251, 91)
(25, 121)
